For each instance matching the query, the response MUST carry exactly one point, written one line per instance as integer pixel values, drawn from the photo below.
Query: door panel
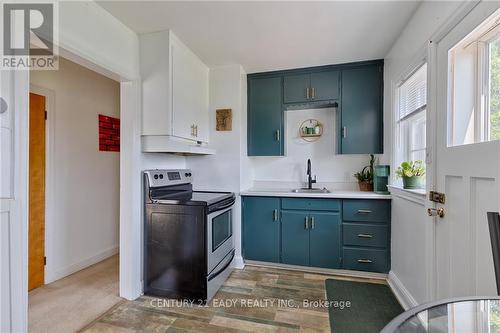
(325, 85)
(36, 251)
(294, 238)
(361, 111)
(261, 229)
(295, 88)
(469, 176)
(265, 117)
(325, 240)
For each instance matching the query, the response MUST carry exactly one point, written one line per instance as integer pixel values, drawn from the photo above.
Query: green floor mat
(370, 308)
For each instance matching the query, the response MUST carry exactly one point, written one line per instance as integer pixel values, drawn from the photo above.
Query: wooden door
(261, 229)
(469, 175)
(265, 117)
(36, 210)
(361, 111)
(295, 237)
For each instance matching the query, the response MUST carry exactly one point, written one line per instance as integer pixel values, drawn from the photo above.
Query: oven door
(219, 236)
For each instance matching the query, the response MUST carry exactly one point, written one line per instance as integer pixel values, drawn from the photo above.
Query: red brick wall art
(109, 133)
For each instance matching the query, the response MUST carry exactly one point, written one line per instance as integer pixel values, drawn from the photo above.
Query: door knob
(436, 212)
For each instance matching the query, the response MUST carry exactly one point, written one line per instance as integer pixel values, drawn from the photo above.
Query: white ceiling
(265, 36)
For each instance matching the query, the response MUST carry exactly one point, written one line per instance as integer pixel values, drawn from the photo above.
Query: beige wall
(83, 187)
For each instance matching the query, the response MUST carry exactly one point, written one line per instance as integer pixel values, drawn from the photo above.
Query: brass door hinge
(437, 197)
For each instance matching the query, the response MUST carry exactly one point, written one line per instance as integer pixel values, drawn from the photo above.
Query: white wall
(326, 165)
(83, 187)
(411, 264)
(221, 172)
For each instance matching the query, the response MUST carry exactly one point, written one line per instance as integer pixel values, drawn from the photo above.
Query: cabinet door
(189, 96)
(361, 111)
(325, 86)
(295, 88)
(261, 229)
(265, 117)
(294, 238)
(325, 240)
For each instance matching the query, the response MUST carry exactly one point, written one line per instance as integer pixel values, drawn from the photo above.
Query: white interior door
(469, 175)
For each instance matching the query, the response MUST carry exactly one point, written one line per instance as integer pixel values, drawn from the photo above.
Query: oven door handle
(229, 204)
(215, 274)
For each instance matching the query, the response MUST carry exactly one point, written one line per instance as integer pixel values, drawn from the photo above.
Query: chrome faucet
(310, 180)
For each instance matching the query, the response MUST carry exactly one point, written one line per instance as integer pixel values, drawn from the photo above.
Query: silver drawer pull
(306, 224)
(365, 261)
(365, 236)
(275, 215)
(364, 211)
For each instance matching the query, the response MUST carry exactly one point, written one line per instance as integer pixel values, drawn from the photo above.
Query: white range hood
(169, 144)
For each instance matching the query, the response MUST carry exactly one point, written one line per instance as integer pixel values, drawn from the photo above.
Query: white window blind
(410, 117)
(412, 93)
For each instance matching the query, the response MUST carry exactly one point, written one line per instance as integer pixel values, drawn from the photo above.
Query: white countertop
(335, 194)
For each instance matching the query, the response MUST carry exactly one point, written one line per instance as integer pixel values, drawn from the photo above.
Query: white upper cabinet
(174, 93)
(189, 94)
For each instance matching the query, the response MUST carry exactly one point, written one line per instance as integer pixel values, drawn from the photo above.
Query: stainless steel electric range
(188, 237)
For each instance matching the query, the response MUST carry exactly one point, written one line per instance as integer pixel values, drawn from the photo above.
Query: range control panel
(168, 177)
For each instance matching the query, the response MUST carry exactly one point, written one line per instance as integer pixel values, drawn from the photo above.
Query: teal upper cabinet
(325, 86)
(261, 229)
(361, 114)
(296, 88)
(265, 116)
(311, 87)
(356, 89)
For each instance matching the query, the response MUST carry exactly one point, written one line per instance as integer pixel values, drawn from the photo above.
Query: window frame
(402, 149)
(480, 39)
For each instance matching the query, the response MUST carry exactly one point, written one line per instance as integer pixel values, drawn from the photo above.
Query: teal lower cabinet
(325, 240)
(295, 238)
(364, 259)
(327, 233)
(261, 229)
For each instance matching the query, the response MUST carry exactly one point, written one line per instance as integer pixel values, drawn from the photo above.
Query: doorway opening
(74, 191)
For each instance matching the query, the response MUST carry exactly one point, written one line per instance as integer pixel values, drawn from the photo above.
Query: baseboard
(238, 262)
(402, 294)
(59, 274)
(329, 271)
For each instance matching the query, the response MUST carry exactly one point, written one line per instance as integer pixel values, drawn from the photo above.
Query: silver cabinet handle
(312, 222)
(365, 236)
(364, 211)
(278, 135)
(308, 94)
(344, 132)
(275, 215)
(307, 222)
(313, 93)
(365, 261)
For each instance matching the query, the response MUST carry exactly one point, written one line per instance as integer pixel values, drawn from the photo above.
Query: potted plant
(413, 173)
(365, 176)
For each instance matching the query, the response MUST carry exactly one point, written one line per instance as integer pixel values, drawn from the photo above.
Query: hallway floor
(69, 304)
(252, 289)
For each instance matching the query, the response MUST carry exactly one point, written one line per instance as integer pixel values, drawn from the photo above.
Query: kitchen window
(474, 84)
(410, 116)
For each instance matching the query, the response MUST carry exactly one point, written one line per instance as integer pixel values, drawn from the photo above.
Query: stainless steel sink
(310, 190)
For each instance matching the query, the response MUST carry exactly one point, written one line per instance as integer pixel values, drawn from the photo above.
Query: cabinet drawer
(370, 260)
(366, 210)
(310, 204)
(365, 235)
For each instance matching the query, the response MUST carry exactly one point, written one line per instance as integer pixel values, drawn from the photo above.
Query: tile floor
(255, 292)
